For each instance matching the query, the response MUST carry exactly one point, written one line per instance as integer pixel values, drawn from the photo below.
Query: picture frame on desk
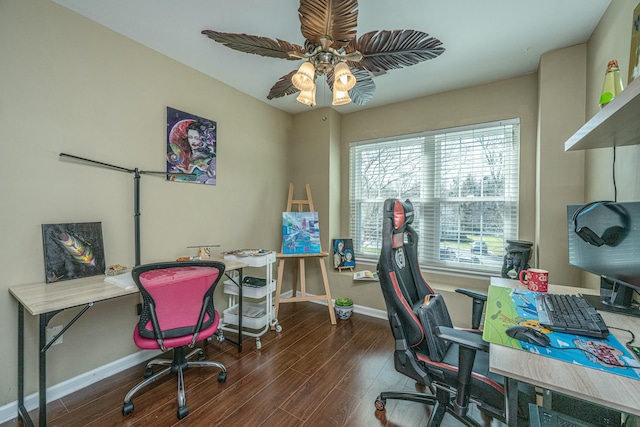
(343, 256)
(72, 250)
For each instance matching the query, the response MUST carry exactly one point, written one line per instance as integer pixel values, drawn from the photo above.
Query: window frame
(429, 198)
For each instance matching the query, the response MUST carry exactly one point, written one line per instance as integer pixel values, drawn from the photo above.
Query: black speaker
(612, 236)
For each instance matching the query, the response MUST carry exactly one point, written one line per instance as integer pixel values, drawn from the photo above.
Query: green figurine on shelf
(612, 83)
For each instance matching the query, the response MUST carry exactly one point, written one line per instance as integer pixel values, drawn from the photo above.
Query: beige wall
(559, 175)
(611, 40)
(69, 85)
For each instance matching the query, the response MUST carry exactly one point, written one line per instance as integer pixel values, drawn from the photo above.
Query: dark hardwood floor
(310, 374)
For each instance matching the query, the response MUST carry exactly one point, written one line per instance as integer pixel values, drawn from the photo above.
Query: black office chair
(177, 313)
(453, 363)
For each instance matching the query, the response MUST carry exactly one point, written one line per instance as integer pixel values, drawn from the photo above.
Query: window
(463, 183)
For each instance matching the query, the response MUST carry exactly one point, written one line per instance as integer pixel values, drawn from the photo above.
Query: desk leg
(238, 283)
(240, 311)
(22, 411)
(511, 401)
(42, 370)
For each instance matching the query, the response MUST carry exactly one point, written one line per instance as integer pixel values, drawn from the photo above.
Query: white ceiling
(485, 40)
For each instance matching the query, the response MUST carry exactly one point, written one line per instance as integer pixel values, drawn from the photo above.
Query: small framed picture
(634, 53)
(343, 256)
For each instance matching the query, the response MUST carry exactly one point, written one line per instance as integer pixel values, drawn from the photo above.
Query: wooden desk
(599, 387)
(45, 300)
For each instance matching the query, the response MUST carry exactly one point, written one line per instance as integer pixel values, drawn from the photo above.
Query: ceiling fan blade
(257, 45)
(387, 50)
(334, 18)
(363, 91)
(283, 87)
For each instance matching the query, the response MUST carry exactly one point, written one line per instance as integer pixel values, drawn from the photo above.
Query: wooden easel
(298, 267)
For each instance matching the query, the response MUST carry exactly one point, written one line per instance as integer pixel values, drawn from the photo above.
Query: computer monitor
(604, 239)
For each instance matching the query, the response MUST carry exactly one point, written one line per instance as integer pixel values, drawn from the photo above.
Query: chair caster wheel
(127, 408)
(220, 337)
(183, 411)
(148, 372)
(258, 344)
(380, 403)
(201, 356)
(222, 377)
(278, 328)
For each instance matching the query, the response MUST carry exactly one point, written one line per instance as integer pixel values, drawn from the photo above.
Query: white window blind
(463, 183)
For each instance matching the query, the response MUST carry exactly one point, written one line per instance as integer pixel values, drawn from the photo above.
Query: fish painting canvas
(73, 250)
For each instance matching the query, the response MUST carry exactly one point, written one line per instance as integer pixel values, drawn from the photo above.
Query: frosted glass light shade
(340, 97)
(308, 97)
(344, 80)
(304, 79)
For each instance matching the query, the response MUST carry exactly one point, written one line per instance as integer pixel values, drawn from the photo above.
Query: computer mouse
(528, 335)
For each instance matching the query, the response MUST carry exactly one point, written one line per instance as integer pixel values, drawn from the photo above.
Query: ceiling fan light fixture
(344, 80)
(304, 79)
(340, 97)
(329, 30)
(308, 97)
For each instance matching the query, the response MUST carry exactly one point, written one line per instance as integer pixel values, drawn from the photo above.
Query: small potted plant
(344, 308)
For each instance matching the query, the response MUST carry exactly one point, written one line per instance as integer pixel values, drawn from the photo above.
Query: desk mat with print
(507, 307)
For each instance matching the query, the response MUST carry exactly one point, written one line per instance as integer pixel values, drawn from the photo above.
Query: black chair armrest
(479, 299)
(464, 338)
(473, 294)
(469, 343)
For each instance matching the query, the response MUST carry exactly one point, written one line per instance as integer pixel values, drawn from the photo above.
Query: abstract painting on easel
(72, 250)
(300, 233)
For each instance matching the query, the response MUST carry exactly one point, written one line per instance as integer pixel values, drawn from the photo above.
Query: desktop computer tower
(585, 411)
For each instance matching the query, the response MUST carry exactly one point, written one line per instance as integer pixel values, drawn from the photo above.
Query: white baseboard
(10, 410)
(360, 309)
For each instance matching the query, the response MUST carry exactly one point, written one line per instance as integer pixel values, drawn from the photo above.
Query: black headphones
(612, 236)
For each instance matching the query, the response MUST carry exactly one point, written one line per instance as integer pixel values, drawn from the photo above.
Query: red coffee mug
(535, 280)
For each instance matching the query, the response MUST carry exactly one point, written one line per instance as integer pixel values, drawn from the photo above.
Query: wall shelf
(617, 124)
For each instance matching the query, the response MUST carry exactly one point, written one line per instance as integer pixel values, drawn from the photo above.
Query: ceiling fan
(331, 49)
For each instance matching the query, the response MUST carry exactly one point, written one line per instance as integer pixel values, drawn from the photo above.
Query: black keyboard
(571, 314)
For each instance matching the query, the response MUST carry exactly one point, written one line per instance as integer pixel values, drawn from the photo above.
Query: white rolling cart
(256, 303)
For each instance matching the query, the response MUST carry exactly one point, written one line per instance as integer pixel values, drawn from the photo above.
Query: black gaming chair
(453, 363)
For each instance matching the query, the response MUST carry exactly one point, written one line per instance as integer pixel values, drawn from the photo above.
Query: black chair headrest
(402, 215)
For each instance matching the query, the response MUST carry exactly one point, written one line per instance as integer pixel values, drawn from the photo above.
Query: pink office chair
(177, 313)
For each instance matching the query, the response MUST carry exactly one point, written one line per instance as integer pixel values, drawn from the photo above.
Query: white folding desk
(599, 387)
(45, 300)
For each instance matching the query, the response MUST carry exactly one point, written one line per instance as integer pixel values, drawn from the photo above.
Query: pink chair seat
(152, 344)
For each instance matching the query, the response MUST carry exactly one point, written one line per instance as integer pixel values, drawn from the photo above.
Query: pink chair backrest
(178, 293)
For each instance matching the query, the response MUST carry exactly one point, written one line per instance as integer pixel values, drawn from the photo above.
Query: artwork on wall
(634, 53)
(73, 250)
(191, 148)
(300, 233)
(343, 256)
